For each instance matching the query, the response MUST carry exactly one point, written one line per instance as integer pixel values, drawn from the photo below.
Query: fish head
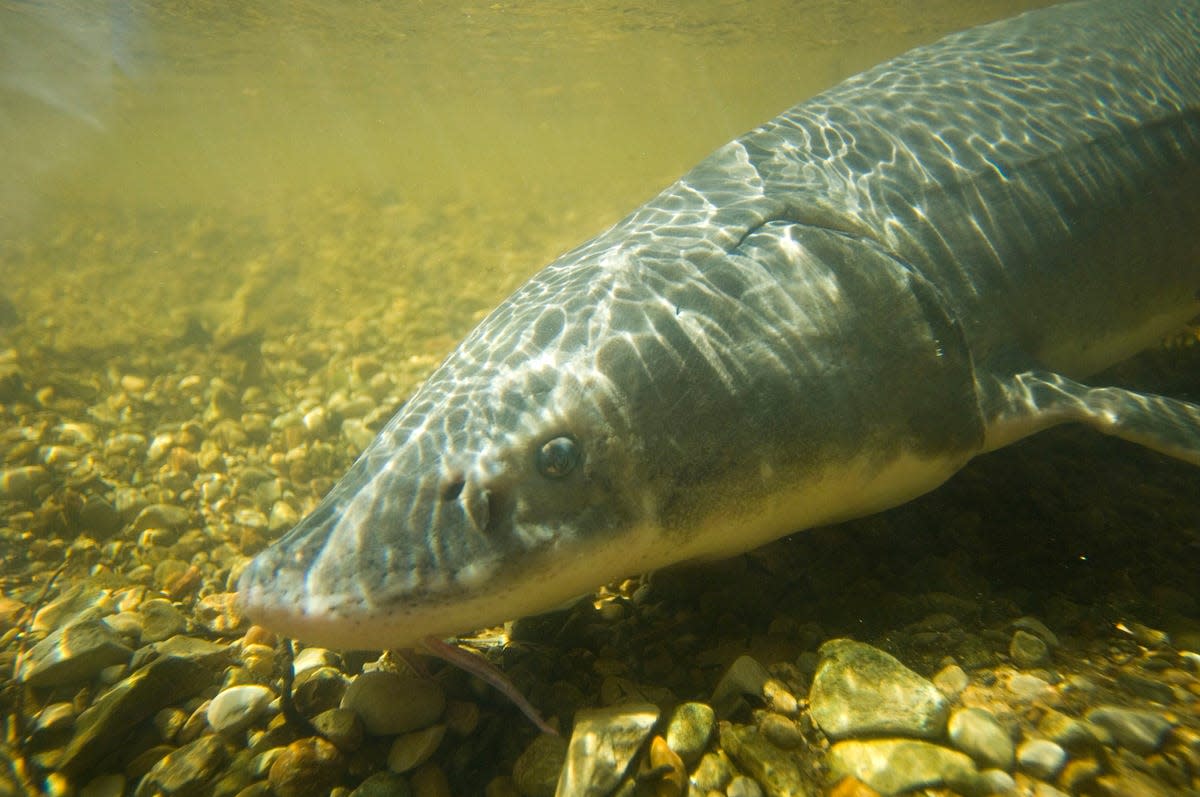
(506, 485)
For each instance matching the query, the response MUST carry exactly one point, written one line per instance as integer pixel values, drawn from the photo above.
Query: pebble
(744, 678)
(20, 484)
(537, 769)
(238, 707)
(1032, 625)
(162, 516)
(319, 689)
(307, 767)
(311, 658)
(671, 776)
(603, 744)
(383, 784)
(742, 786)
(410, 750)
(430, 781)
(894, 766)
(161, 620)
(713, 773)
(778, 771)
(689, 730)
(389, 703)
(860, 690)
(976, 732)
(1067, 732)
(1025, 687)
(1143, 732)
(1041, 758)
(219, 613)
(342, 727)
(951, 680)
(1028, 651)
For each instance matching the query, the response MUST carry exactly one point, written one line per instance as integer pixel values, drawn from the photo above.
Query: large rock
(113, 718)
(187, 772)
(859, 690)
(602, 747)
(73, 654)
(896, 766)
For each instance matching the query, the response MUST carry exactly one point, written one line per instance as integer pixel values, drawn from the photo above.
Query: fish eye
(557, 457)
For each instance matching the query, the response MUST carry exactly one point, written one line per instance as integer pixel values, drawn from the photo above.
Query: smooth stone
(1034, 626)
(665, 763)
(200, 651)
(689, 730)
(77, 603)
(1041, 758)
(319, 689)
(99, 519)
(951, 680)
(412, 749)
(1028, 651)
(977, 733)
(536, 771)
(311, 658)
(20, 483)
(1144, 687)
(109, 722)
(54, 718)
(238, 707)
(859, 690)
(430, 781)
(1143, 732)
(997, 782)
(776, 770)
(161, 620)
(307, 767)
(185, 771)
(389, 703)
(603, 744)
(742, 786)
(72, 654)
(1067, 732)
(383, 784)
(744, 678)
(161, 516)
(169, 722)
(713, 773)
(894, 766)
(219, 613)
(781, 731)
(342, 727)
(1025, 687)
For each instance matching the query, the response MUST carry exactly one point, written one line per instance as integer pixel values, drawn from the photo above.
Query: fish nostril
(452, 488)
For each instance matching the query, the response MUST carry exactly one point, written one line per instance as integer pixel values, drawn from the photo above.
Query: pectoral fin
(1020, 405)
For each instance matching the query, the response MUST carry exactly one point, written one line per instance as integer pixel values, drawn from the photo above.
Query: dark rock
(105, 726)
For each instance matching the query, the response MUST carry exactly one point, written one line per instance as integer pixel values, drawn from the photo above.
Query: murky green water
(148, 139)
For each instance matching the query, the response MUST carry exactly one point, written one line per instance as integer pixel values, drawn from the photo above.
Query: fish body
(828, 316)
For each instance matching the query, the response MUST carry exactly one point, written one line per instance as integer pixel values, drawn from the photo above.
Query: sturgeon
(828, 316)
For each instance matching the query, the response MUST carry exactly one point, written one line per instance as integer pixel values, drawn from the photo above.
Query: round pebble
(236, 708)
(976, 732)
(389, 703)
(689, 730)
(413, 749)
(1041, 758)
(308, 767)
